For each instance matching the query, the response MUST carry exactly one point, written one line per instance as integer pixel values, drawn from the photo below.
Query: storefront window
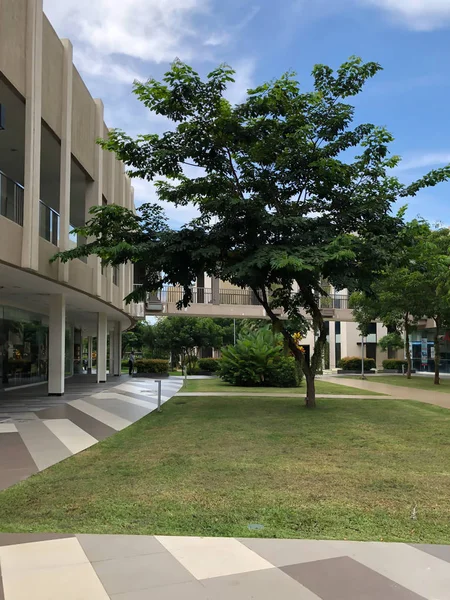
(24, 347)
(69, 351)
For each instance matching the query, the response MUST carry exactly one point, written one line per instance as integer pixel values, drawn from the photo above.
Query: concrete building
(51, 173)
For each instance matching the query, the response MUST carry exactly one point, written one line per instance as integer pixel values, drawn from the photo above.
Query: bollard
(158, 381)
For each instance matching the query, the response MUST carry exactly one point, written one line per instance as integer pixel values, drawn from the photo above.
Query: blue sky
(116, 41)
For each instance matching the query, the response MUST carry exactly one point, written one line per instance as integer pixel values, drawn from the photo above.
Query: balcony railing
(48, 223)
(334, 301)
(11, 199)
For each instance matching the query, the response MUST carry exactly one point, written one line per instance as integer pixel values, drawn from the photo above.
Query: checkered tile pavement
(102, 567)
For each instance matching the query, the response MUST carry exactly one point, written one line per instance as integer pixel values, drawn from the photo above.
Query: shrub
(211, 365)
(394, 364)
(258, 360)
(152, 365)
(195, 370)
(353, 363)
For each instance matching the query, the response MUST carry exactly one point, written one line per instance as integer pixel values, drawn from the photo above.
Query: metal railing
(11, 199)
(48, 223)
(334, 301)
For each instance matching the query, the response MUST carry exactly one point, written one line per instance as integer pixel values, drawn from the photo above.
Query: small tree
(289, 194)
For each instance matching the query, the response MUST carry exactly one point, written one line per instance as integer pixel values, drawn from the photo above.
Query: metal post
(362, 357)
(158, 381)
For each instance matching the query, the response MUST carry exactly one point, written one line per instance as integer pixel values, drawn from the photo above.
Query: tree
(289, 194)
(415, 284)
(138, 338)
(182, 335)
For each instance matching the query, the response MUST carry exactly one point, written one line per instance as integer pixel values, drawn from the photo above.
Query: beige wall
(13, 19)
(52, 72)
(10, 242)
(83, 124)
(17, 29)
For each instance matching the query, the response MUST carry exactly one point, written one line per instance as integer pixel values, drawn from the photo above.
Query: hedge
(210, 365)
(392, 364)
(353, 363)
(151, 365)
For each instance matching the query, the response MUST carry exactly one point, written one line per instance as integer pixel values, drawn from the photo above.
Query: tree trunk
(437, 353)
(310, 390)
(407, 348)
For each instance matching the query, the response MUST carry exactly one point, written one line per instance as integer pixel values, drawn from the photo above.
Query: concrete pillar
(117, 367)
(33, 114)
(111, 352)
(102, 336)
(381, 332)
(66, 157)
(56, 345)
(215, 284)
(332, 342)
(90, 346)
(94, 195)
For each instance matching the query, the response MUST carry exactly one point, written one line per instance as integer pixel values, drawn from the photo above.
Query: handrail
(48, 223)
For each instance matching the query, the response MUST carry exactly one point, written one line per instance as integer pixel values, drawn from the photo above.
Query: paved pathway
(299, 395)
(89, 567)
(396, 391)
(37, 431)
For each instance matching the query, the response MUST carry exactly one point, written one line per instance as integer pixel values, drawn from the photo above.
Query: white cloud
(243, 81)
(427, 160)
(422, 15)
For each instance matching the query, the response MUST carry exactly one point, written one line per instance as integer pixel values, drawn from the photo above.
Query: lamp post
(362, 357)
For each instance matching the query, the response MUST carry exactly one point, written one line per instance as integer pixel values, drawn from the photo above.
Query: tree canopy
(289, 192)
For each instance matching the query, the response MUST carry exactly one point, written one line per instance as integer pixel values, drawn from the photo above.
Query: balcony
(11, 199)
(48, 223)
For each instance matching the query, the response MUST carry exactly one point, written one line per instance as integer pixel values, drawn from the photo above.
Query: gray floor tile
(289, 552)
(106, 547)
(261, 585)
(140, 573)
(13, 453)
(179, 591)
(10, 477)
(2, 597)
(45, 448)
(128, 411)
(346, 579)
(442, 552)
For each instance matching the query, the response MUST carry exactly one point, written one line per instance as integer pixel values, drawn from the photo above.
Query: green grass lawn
(211, 466)
(417, 382)
(322, 387)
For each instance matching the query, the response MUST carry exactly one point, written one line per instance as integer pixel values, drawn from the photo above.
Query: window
(372, 329)
(116, 275)
(338, 328)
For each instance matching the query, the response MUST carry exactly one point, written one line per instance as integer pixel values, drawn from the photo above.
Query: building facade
(52, 172)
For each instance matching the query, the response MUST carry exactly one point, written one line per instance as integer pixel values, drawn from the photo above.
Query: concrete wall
(13, 22)
(83, 124)
(52, 72)
(10, 242)
(57, 97)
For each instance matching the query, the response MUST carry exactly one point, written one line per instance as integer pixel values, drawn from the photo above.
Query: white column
(112, 349)
(94, 193)
(381, 332)
(332, 343)
(33, 114)
(56, 345)
(215, 284)
(102, 334)
(117, 369)
(90, 345)
(66, 157)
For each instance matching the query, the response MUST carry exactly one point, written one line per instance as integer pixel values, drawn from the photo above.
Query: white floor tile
(72, 436)
(40, 555)
(104, 416)
(73, 582)
(8, 428)
(213, 557)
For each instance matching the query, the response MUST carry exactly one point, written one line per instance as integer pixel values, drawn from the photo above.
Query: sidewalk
(395, 391)
(110, 567)
(37, 431)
